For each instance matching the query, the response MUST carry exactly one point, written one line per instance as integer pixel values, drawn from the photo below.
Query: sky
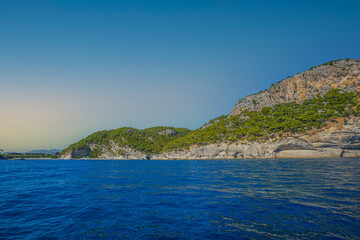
(70, 68)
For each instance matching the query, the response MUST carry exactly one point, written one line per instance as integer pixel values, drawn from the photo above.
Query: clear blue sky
(69, 68)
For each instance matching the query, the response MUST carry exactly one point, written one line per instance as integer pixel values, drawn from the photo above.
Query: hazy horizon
(71, 68)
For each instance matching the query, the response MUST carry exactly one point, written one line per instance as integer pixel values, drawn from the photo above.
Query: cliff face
(342, 74)
(338, 139)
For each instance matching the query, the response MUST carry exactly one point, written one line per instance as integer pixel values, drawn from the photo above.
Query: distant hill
(315, 113)
(127, 142)
(44, 151)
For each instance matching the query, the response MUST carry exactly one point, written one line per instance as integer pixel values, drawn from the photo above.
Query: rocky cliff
(326, 126)
(341, 74)
(341, 138)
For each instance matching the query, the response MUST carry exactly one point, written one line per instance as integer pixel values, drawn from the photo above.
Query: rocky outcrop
(167, 132)
(78, 153)
(112, 151)
(117, 152)
(342, 74)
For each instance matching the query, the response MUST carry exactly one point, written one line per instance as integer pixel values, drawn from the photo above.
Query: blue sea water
(215, 199)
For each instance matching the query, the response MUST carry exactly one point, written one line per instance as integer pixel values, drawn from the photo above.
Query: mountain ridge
(52, 151)
(315, 113)
(317, 80)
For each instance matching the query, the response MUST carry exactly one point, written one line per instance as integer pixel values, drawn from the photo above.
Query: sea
(188, 199)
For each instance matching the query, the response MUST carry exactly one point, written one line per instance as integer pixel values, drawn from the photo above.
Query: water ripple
(222, 199)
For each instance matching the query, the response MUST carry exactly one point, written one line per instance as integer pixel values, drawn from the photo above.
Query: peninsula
(315, 113)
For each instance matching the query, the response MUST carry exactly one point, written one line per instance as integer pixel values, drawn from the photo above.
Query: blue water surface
(214, 199)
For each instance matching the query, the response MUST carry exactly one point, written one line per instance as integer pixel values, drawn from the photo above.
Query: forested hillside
(150, 140)
(273, 122)
(268, 124)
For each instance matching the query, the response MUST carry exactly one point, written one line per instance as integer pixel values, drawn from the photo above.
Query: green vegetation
(95, 152)
(149, 140)
(288, 117)
(248, 126)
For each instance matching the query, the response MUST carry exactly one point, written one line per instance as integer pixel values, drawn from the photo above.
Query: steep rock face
(341, 74)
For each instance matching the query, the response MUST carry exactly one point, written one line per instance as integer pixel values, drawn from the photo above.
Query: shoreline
(294, 154)
(201, 159)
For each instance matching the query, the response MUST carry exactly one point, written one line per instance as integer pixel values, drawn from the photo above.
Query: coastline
(301, 154)
(338, 139)
(205, 159)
